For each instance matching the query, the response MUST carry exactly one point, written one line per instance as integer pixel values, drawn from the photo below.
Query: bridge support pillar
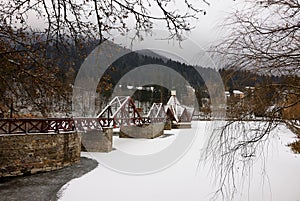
(168, 125)
(97, 141)
(180, 125)
(148, 131)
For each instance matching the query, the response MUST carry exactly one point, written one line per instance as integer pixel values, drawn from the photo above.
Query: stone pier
(148, 131)
(181, 125)
(168, 125)
(97, 140)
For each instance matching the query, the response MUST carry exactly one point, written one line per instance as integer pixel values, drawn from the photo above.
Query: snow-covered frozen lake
(187, 179)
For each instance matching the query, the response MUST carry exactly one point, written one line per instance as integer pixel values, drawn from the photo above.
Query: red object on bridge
(120, 111)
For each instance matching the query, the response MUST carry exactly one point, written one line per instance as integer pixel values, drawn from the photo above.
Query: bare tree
(94, 18)
(27, 77)
(29, 27)
(263, 38)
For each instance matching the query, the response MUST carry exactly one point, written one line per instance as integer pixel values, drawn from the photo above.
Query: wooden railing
(36, 125)
(57, 125)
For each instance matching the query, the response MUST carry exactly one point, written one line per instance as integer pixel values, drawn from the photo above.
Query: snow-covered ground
(188, 178)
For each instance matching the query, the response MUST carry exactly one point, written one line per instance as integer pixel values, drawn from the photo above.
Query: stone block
(181, 125)
(168, 125)
(97, 140)
(148, 131)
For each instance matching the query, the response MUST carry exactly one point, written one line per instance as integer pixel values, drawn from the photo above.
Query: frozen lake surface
(189, 178)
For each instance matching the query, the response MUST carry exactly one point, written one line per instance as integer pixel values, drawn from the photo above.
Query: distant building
(234, 93)
(227, 94)
(238, 94)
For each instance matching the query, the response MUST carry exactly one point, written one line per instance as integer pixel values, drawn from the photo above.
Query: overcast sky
(205, 27)
(206, 32)
(208, 26)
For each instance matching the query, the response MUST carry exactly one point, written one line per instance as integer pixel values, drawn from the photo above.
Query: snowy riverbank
(187, 179)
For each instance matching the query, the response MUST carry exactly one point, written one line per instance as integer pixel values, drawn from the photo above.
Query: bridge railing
(57, 125)
(36, 125)
(149, 120)
(88, 124)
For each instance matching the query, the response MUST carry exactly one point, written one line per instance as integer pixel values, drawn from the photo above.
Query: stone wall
(31, 153)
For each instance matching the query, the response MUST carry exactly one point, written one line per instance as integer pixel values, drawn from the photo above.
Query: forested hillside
(61, 63)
